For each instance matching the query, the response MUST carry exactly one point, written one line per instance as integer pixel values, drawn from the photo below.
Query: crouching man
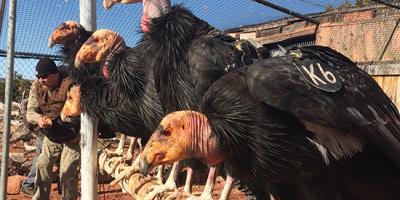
(46, 98)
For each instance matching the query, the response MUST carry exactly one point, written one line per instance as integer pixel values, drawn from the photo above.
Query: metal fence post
(8, 96)
(88, 125)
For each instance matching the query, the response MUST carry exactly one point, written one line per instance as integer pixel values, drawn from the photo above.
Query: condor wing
(350, 104)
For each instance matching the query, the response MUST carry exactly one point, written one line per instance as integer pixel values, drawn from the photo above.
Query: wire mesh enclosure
(365, 31)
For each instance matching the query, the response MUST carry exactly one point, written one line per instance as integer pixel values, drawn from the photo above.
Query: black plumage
(127, 102)
(302, 141)
(120, 103)
(191, 55)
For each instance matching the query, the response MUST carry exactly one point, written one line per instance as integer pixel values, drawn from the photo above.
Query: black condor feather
(303, 142)
(111, 108)
(129, 102)
(191, 56)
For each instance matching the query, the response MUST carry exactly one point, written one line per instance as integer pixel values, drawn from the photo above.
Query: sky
(36, 19)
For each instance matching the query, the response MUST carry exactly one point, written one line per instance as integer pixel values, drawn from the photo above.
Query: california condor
(191, 56)
(309, 125)
(127, 99)
(69, 37)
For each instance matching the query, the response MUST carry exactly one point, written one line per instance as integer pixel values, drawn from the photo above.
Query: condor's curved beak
(107, 4)
(78, 61)
(51, 42)
(66, 32)
(96, 48)
(157, 151)
(152, 154)
(144, 166)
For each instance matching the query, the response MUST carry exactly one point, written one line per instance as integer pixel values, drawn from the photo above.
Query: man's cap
(45, 66)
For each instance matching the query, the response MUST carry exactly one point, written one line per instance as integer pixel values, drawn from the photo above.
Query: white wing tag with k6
(320, 75)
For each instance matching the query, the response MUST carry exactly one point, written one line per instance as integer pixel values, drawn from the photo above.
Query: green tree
(330, 7)
(346, 5)
(19, 86)
(360, 3)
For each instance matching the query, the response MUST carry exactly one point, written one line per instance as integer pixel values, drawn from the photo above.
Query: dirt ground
(105, 191)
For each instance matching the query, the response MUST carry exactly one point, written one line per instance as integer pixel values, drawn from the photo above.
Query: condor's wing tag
(319, 74)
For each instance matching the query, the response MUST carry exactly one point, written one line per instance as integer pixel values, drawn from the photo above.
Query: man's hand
(44, 122)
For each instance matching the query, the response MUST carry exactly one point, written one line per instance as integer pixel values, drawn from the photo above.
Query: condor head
(71, 106)
(68, 31)
(180, 135)
(167, 144)
(101, 46)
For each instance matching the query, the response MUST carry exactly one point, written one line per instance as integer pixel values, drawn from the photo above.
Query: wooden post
(87, 9)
